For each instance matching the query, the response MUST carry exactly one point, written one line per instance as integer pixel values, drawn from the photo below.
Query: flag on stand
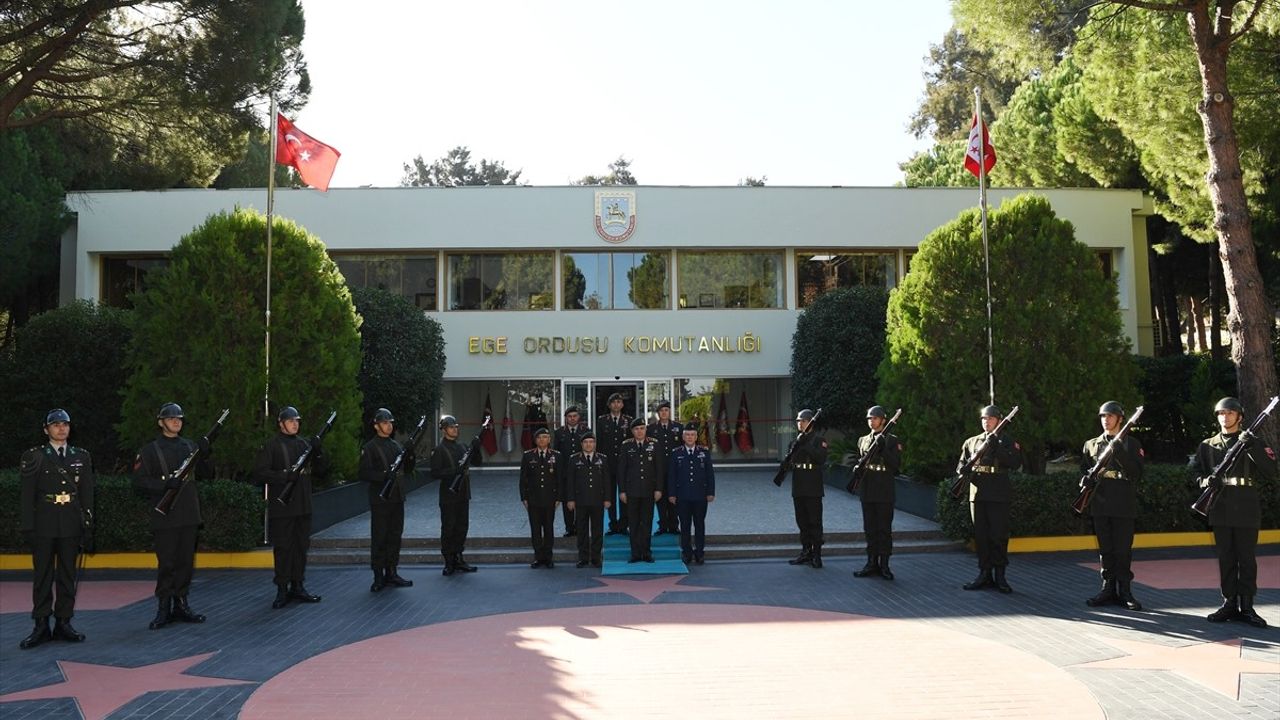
(526, 428)
(723, 439)
(488, 439)
(313, 160)
(508, 429)
(746, 441)
(972, 160)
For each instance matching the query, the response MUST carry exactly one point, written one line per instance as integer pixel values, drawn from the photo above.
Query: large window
(123, 276)
(501, 281)
(615, 281)
(730, 279)
(818, 271)
(412, 276)
(739, 419)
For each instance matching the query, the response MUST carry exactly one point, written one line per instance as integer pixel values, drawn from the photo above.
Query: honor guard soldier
(1236, 517)
(668, 436)
(386, 515)
(566, 442)
(612, 429)
(289, 503)
(691, 484)
(588, 494)
(56, 510)
(540, 493)
(175, 531)
(808, 456)
(1114, 506)
(990, 492)
(642, 475)
(877, 494)
(455, 507)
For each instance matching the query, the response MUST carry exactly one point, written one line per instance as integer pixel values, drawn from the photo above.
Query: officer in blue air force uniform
(691, 485)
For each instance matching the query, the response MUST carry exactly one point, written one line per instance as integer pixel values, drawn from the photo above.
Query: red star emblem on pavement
(100, 690)
(1215, 665)
(643, 590)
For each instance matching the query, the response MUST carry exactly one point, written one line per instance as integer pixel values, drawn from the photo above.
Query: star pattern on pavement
(643, 590)
(1215, 665)
(100, 690)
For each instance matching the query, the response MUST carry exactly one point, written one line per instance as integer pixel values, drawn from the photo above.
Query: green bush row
(232, 514)
(1042, 505)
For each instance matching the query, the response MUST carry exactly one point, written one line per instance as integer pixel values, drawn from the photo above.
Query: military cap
(664, 404)
(588, 435)
(615, 396)
(541, 431)
(571, 409)
(169, 410)
(56, 415)
(638, 422)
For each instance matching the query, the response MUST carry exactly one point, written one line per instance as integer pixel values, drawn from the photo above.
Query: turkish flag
(508, 430)
(723, 439)
(746, 441)
(488, 439)
(971, 158)
(313, 160)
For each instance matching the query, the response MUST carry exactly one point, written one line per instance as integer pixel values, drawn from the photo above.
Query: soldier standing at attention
(808, 455)
(641, 478)
(56, 502)
(1237, 515)
(289, 523)
(611, 432)
(1114, 506)
(588, 495)
(989, 494)
(566, 442)
(691, 485)
(175, 532)
(455, 507)
(877, 494)
(668, 436)
(386, 515)
(540, 493)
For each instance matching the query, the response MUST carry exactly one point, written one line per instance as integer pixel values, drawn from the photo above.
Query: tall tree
(952, 69)
(619, 174)
(455, 169)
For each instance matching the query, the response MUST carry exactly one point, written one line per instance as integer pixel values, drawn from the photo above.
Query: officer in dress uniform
(455, 507)
(990, 491)
(588, 494)
(175, 532)
(691, 484)
(667, 434)
(877, 494)
(540, 493)
(612, 429)
(642, 476)
(289, 523)
(1114, 506)
(386, 515)
(808, 456)
(1236, 517)
(57, 502)
(566, 442)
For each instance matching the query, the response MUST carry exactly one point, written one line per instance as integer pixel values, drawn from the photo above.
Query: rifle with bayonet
(394, 469)
(185, 470)
(465, 462)
(960, 483)
(872, 453)
(1213, 483)
(785, 466)
(286, 494)
(1089, 483)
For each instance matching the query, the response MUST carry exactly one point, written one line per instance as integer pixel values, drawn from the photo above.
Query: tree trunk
(1167, 302)
(1196, 311)
(1215, 307)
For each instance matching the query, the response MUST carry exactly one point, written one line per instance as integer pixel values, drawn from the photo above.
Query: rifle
(781, 475)
(394, 469)
(1089, 483)
(960, 483)
(873, 451)
(188, 465)
(465, 462)
(286, 493)
(1213, 483)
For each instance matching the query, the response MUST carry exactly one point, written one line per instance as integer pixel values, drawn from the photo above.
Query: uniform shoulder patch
(1271, 453)
(137, 462)
(824, 442)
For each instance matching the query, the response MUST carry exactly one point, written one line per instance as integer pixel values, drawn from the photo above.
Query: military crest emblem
(615, 214)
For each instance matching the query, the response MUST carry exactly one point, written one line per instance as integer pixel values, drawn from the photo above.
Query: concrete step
(523, 540)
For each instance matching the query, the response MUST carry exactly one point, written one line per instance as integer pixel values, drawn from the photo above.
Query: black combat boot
(62, 630)
(282, 597)
(164, 614)
(885, 572)
(379, 581)
(871, 568)
(803, 558)
(450, 565)
(39, 635)
(463, 565)
(182, 611)
(299, 592)
(984, 580)
(1106, 596)
(815, 562)
(1124, 596)
(1247, 613)
(394, 579)
(1228, 611)
(1001, 585)
(582, 562)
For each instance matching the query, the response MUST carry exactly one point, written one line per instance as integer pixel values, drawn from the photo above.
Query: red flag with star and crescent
(972, 159)
(313, 160)
(746, 439)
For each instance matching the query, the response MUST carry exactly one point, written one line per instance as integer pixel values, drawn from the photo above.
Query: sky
(698, 92)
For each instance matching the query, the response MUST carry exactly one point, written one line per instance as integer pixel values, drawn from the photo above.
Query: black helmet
(637, 422)
(56, 415)
(805, 415)
(383, 415)
(448, 421)
(991, 411)
(1111, 407)
(288, 413)
(877, 411)
(1228, 403)
(169, 410)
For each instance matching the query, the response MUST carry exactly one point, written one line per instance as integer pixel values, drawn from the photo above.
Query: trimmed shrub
(1179, 392)
(402, 356)
(836, 348)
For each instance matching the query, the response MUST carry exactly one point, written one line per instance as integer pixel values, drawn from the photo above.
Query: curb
(1063, 543)
(254, 559)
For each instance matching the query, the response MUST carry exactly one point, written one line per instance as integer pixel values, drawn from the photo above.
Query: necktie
(62, 453)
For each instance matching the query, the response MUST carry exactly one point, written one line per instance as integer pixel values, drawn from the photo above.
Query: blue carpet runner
(666, 555)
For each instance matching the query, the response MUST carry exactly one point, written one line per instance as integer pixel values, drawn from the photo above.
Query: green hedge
(1042, 505)
(232, 515)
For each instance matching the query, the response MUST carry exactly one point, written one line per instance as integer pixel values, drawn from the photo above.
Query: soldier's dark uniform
(455, 507)
(289, 524)
(667, 435)
(386, 515)
(540, 482)
(808, 457)
(587, 485)
(1114, 509)
(641, 472)
(691, 479)
(990, 492)
(1236, 517)
(56, 490)
(565, 441)
(611, 431)
(878, 495)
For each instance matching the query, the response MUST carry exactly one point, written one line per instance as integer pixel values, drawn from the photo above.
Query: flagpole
(266, 352)
(986, 252)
